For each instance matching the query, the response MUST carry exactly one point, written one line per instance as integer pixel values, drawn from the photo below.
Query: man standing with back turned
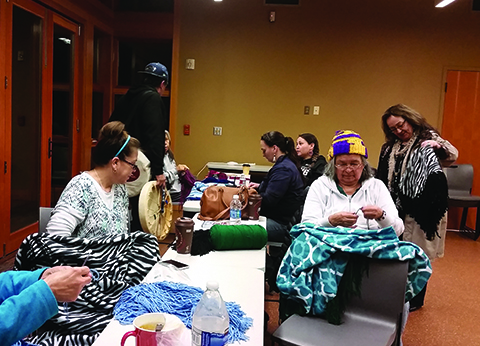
(144, 115)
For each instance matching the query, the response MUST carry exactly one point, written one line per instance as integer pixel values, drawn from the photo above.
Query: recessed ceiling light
(66, 40)
(443, 3)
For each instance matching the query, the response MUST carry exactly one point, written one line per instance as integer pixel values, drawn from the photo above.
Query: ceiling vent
(282, 2)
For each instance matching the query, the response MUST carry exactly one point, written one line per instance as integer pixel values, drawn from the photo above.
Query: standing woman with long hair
(410, 164)
(312, 163)
(282, 188)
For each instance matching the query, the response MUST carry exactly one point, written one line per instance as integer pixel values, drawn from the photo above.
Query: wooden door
(24, 54)
(35, 113)
(461, 124)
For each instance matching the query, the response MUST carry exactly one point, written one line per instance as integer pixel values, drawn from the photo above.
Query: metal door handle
(50, 147)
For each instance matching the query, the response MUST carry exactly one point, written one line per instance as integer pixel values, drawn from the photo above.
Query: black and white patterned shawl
(121, 261)
(422, 163)
(424, 190)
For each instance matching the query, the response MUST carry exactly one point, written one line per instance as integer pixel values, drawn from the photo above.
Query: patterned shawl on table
(121, 261)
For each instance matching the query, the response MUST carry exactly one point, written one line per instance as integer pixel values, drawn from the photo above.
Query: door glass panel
(63, 43)
(97, 113)
(26, 116)
(133, 56)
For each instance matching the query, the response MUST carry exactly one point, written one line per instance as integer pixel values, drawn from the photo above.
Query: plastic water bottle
(242, 180)
(210, 319)
(235, 210)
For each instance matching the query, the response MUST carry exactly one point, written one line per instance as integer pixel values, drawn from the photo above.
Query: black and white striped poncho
(121, 261)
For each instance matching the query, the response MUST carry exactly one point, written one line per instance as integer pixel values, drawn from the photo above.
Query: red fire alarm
(186, 130)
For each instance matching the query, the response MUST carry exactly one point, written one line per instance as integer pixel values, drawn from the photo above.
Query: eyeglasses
(134, 166)
(353, 165)
(398, 127)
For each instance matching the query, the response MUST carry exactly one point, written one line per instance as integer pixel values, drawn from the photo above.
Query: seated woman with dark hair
(95, 203)
(311, 162)
(282, 188)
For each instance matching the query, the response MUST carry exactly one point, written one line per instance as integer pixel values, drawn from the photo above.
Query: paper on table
(165, 272)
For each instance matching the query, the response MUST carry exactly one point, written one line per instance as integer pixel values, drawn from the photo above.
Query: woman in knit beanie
(347, 195)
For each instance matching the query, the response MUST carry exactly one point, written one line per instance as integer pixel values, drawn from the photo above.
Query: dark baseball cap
(156, 69)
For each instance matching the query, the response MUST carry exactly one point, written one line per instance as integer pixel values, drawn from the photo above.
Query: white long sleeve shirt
(171, 174)
(324, 199)
(85, 210)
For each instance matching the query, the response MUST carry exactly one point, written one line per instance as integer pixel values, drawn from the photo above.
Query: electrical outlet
(306, 110)
(217, 131)
(316, 110)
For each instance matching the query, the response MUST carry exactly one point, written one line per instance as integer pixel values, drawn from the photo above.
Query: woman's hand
(182, 168)
(67, 282)
(372, 212)
(432, 143)
(161, 180)
(343, 218)
(253, 185)
(52, 270)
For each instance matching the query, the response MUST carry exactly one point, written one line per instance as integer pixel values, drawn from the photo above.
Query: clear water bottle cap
(235, 196)
(212, 285)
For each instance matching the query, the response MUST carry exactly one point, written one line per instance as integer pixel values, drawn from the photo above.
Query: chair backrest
(460, 179)
(382, 291)
(43, 218)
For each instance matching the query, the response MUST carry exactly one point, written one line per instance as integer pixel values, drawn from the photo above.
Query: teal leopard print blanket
(314, 264)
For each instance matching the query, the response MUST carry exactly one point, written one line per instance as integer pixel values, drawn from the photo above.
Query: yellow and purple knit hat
(347, 142)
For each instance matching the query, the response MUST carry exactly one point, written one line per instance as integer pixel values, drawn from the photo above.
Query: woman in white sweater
(347, 195)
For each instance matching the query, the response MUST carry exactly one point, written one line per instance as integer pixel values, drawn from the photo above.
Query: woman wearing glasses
(347, 195)
(410, 165)
(95, 203)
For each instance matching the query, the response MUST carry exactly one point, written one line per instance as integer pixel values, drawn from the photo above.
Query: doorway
(41, 94)
(461, 121)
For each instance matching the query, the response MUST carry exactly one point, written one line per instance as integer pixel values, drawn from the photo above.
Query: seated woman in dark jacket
(282, 188)
(311, 162)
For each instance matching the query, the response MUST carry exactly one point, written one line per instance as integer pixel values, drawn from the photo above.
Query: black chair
(460, 180)
(374, 319)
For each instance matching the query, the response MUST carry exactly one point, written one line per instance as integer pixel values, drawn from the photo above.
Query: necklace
(100, 180)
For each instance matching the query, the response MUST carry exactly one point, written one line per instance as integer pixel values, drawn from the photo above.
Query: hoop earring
(310, 153)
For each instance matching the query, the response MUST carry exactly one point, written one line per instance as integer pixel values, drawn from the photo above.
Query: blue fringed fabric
(176, 299)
